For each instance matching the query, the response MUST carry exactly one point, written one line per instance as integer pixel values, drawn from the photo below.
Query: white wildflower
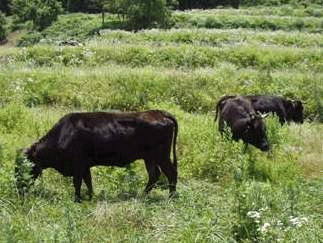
(263, 209)
(297, 221)
(279, 223)
(265, 227)
(254, 215)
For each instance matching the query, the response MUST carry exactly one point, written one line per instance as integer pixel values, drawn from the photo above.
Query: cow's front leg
(153, 173)
(77, 180)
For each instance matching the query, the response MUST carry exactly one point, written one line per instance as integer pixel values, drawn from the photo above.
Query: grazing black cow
(244, 121)
(82, 140)
(287, 110)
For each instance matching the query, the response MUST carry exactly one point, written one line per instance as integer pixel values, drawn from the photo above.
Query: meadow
(225, 195)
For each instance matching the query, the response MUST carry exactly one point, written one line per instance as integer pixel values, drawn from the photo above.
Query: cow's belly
(118, 150)
(113, 159)
(116, 154)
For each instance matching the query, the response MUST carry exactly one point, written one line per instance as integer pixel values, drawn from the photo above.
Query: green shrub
(30, 38)
(76, 26)
(23, 175)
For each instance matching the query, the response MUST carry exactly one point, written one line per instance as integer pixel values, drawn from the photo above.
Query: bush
(76, 26)
(23, 174)
(30, 38)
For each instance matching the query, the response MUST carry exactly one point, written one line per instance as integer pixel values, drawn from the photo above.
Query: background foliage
(41, 13)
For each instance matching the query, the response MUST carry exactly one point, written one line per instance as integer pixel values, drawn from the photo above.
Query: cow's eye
(248, 128)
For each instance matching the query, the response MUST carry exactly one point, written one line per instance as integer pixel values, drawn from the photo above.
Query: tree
(41, 12)
(4, 6)
(141, 14)
(118, 7)
(75, 5)
(102, 5)
(205, 4)
(147, 13)
(2, 27)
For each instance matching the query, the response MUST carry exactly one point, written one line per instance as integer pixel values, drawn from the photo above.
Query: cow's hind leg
(153, 173)
(170, 171)
(77, 181)
(221, 125)
(81, 171)
(88, 181)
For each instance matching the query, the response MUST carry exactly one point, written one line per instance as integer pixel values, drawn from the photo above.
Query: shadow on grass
(114, 25)
(130, 196)
(156, 196)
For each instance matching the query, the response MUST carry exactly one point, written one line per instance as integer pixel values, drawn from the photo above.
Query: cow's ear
(252, 117)
(30, 151)
(297, 104)
(26, 151)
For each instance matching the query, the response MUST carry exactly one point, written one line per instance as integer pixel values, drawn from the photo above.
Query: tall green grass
(213, 37)
(223, 19)
(109, 86)
(171, 55)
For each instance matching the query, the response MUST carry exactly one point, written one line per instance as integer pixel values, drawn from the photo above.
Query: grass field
(225, 195)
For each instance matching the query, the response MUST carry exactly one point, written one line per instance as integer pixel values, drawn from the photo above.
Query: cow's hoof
(77, 200)
(174, 195)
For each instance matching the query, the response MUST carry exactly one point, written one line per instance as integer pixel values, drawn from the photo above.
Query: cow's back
(236, 108)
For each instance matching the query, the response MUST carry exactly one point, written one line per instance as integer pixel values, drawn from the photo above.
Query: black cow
(287, 110)
(244, 121)
(82, 140)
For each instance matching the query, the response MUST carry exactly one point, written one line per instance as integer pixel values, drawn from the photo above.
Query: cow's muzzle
(265, 147)
(36, 171)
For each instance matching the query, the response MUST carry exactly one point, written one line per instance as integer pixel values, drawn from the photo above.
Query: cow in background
(82, 140)
(287, 110)
(245, 123)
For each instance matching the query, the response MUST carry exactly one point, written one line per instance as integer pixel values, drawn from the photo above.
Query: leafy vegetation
(225, 195)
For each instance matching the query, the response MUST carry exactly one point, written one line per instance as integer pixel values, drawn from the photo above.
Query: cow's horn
(253, 116)
(262, 115)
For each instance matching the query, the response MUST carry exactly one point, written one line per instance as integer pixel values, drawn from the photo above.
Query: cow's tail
(219, 104)
(171, 117)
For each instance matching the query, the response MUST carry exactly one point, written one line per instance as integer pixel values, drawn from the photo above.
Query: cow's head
(31, 154)
(254, 132)
(297, 111)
